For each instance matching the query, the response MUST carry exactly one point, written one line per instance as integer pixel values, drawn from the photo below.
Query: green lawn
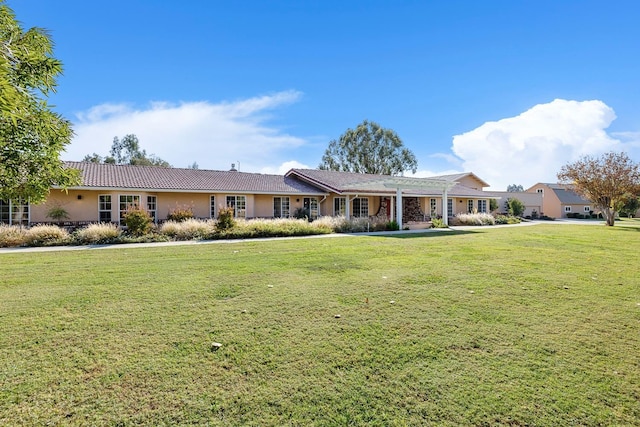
(514, 326)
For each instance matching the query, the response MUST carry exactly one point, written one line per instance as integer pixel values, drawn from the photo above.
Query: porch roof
(359, 183)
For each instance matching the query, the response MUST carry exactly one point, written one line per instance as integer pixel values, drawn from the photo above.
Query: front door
(310, 205)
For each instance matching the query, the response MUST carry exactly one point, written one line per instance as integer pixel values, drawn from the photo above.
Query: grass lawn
(514, 326)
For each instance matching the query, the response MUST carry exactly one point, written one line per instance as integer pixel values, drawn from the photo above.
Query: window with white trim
(587, 208)
(281, 207)
(433, 206)
(14, 212)
(449, 207)
(212, 206)
(104, 207)
(239, 205)
(482, 206)
(127, 201)
(567, 208)
(361, 207)
(152, 204)
(470, 206)
(340, 206)
(540, 190)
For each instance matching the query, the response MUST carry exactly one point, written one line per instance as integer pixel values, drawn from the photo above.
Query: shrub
(188, 229)
(57, 213)
(138, 221)
(180, 213)
(98, 233)
(392, 226)
(301, 213)
(12, 235)
(43, 235)
(226, 221)
(438, 223)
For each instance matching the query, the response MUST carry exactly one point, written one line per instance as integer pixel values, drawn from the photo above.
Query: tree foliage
(515, 207)
(513, 188)
(606, 181)
(127, 151)
(369, 148)
(630, 205)
(32, 136)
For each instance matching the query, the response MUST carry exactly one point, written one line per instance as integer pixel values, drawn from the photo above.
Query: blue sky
(509, 90)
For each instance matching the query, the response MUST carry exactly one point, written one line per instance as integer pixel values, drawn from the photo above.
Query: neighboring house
(532, 201)
(558, 200)
(107, 191)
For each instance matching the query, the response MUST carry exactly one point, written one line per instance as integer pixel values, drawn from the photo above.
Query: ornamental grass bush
(47, 235)
(340, 224)
(12, 235)
(275, 228)
(98, 233)
(475, 219)
(188, 229)
(180, 213)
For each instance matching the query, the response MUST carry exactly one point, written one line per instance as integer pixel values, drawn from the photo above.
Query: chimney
(233, 168)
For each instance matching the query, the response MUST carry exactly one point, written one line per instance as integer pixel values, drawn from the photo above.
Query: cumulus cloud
(284, 168)
(214, 135)
(533, 146)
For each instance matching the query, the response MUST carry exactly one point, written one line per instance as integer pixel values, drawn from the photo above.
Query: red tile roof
(155, 178)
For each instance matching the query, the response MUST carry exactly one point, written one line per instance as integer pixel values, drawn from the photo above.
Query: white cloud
(212, 134)
(533, 146)
(284, 168)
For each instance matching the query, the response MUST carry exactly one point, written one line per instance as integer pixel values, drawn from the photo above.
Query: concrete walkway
(317, 236)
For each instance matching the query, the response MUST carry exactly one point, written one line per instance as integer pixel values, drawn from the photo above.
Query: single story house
(558, 200)
(108, 190)
(532, 201)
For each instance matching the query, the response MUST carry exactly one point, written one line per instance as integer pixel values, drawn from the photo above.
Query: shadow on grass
(426, 233)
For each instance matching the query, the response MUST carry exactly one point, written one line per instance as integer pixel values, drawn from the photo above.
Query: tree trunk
(609, 216)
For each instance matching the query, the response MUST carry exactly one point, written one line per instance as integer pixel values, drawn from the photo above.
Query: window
(212, 207)
(14, 212)
(449, 207)
(361, 207)
(340, 206)
(482, 206)
(540, 190)
(281, 207)
(104, 208)
(470, 206)
(310, 205)
(152, 203)
(433, 206)
(127, 201)
(567, 208)
(239, 205)
(587, 208)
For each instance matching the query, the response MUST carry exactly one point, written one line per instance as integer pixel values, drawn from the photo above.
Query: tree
(513, 188)
(603, 180)
(515, 207)
(369, 148)
(32, 136)
(630, 205)
(126, 151)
